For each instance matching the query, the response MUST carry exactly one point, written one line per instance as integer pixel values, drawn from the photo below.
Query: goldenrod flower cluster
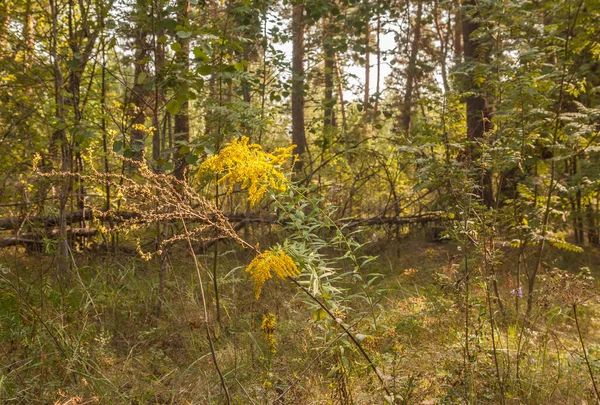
(277, 261)
(268, 327)
(250, 166)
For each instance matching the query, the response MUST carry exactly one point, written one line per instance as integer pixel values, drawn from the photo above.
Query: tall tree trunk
(378, 73)
(458, 32)
(367, 95)
(478, 112)
(340, 90)
(138, 96)
(329, 102)
(59, 139)
(5, 11)
(159, 62)
(182, 118)
(592, 225)
(298, 135)
(444, 39)
(28, 31)
(411, 71)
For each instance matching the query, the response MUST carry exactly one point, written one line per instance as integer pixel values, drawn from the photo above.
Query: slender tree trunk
(367, 95)
(298, 134)
(411, 71)
(5, 11)
(159, 62)
(340, 89)
(458, 32)
(378, 73)
(182, 118)
(329, 102)
(592, 227)
(478, 112)
(444, 39)
(138, 96)
(28, 31)
(59, 139)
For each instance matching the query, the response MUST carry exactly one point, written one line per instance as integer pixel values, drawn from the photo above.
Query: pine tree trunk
(411, 71)
(478, 112)
(298, 135)
(329, 102)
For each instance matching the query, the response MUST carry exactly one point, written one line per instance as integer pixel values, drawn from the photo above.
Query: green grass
(99, 337)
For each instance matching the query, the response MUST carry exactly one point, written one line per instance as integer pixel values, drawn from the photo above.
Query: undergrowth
(98, 340)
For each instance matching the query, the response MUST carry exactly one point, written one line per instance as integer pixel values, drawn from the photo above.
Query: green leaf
(142, 78)
(191, 158)
(200, 54)
(117, 146)
(173, 107)
(176, 47)
(204, 70)
(184, 34)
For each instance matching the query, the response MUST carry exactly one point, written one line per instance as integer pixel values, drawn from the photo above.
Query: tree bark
(182, 118)
(478, 111)
(411, 71)
(298, 134)
(367, 95)
(138, 96)
(329, 102)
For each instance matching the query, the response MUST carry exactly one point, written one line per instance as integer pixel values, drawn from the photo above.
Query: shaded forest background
(428, 211)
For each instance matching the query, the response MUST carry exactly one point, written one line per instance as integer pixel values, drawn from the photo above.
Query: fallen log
(8, 223)
(34, 241)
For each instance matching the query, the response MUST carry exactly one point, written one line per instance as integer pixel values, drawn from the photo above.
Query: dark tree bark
(329, 102)
(159, 62)
(458, 24)
(478, 110)
(5, 11)
(298, 135)
(182, 118)
(378, 72)
(138, 96)
(59, 139)
(367, 95)
(411, 71)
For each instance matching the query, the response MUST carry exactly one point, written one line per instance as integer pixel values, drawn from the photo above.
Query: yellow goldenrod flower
(268, 327)
(269, 322)
(277, 261)
(250, 166)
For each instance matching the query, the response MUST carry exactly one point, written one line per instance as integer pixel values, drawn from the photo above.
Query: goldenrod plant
(276, 261)
(248, 165)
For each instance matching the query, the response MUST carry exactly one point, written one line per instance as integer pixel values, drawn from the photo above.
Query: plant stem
(210, 342)
(585, 356)
(346, 331)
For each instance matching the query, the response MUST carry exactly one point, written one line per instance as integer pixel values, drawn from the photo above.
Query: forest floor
(102, 338)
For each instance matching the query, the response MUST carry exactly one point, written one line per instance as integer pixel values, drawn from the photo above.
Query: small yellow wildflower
(268, 327)
(250, 166)
(269, 323)
(277, 261)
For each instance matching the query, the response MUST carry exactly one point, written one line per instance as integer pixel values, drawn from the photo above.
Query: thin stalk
(585, 356)
(552, 185)
(346, 331)
(205, 310)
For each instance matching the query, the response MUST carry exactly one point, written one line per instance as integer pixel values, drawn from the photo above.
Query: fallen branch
(7, 223)
(35, 240)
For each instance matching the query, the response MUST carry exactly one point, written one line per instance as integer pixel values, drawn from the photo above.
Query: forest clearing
(299, 202)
